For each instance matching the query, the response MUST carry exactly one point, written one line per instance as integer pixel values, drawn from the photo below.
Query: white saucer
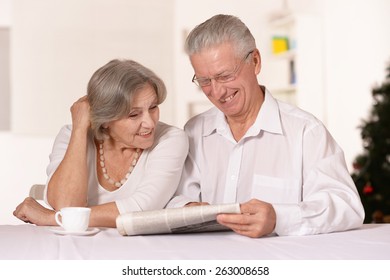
(60, 230)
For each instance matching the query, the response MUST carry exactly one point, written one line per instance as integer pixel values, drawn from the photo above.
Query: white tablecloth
(24, 242)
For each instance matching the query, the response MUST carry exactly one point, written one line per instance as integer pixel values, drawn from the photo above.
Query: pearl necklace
(117, 184)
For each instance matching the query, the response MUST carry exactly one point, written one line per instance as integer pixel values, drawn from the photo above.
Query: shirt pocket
(275, 190)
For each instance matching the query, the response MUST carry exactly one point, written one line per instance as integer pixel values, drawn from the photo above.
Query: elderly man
(279, 162)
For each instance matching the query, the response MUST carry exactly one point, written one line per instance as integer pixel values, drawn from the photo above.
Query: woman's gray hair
(218, 30)
(111, 89)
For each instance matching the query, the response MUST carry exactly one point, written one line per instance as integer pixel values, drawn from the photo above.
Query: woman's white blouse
(151, 184)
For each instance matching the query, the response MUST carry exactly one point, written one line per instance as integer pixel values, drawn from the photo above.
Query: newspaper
(200, 218)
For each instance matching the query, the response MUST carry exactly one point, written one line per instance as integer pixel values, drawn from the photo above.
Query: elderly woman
(116, 157)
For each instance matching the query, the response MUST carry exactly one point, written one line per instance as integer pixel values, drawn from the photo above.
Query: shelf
(288, 55)
(298, 72)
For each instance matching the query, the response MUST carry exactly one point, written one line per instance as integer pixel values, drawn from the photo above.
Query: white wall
(5, 23)
(4, 78)
(357, 45)
(5, 12)
(23, 163)
(57, 45)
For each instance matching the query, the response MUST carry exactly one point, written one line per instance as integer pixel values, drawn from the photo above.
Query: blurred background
(334, 53)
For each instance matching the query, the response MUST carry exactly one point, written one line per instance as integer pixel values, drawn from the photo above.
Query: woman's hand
(30, 211)
(80, 111)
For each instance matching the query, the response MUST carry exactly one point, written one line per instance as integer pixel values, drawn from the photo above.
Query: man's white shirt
(287, 158)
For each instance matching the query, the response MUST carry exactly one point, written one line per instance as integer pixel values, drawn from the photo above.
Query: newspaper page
(200, 218)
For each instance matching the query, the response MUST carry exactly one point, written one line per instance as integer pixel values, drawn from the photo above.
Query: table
(27, 242)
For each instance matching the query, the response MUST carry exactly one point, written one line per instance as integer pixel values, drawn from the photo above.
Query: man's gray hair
(218, 30)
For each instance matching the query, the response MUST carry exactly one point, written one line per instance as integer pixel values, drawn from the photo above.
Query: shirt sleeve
(189, 187)
(330, 201)
(162, 174)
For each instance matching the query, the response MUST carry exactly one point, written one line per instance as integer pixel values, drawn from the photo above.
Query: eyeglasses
(204, 82)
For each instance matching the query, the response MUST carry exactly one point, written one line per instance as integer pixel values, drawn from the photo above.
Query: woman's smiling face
(137, 130)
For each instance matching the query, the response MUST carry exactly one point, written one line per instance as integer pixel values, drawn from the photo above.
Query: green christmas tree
(372, 168)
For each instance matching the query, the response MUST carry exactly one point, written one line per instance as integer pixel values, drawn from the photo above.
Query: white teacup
(73, 219)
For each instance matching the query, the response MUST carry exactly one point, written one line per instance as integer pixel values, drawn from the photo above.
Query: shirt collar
(215, 122)
(268, 119)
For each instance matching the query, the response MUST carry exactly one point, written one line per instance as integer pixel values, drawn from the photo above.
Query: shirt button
(233, 177)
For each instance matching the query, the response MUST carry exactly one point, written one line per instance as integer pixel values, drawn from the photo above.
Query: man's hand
(257, 218)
